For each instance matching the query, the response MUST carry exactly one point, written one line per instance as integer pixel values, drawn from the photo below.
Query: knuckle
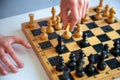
(76, 18)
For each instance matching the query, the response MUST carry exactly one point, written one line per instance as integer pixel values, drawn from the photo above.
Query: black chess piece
(116, 50)
(107, 51)
(80, 70)
(84, 42)
(72, 62)
(101, 64)
(60, 65)
(66, 74)
(90, 69)
(60, 48)
(81, 55)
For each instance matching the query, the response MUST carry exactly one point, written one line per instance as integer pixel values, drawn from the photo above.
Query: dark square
(98, 48)
(95, 9)
(96, 58)
(113, 63)
(92, 17)
(107, 28)
(36, 32)
(118, 31)
(63, 51)
(103, 37)
(91, 74)
(74, 31)
(45, 45)
(80, 44)
(43, 23)
(52, 36)
(68, 40)
(92, 25)
(71, 78)
(89, 33)
(54, 60)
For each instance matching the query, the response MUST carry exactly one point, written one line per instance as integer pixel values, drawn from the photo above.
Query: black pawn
(107, 51)
(66, 74)
(72, 62)
(115, 50)
(60, 48)
(80, 70)
(80, 56)
(84, 42)
(90, 67)
(60, 65)
(101, 64)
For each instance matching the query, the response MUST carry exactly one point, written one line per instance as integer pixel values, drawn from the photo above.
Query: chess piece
(58, 25)
(106, 51)
(98, 15)
(80, 70)
(66, 74)
(116, 49)
(60, 48)
(86, 18)
(111, 17)
(90, 67)
(106, 11)
(53, 15)
(32, 22)
(50, 29)
(101, 64)
(78, 32)
(72, 62)
(84, 42)
(101, 4)
(60, 65)
(67, 34)
(43, 35)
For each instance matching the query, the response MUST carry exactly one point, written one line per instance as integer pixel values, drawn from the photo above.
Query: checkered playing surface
(99, 33)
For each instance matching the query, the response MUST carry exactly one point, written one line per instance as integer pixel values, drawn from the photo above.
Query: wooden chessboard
(99, 32)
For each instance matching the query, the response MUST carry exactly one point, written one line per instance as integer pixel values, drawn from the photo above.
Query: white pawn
(106, 11)
(98, 15)
(67, 34)
(58, 25)
(50, 29)
(78, 32)
(43, 35)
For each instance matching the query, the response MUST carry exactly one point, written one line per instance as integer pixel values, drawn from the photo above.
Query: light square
(101, 23)
(72, 46)
(93, 40)
(113, 35)
(97, 31)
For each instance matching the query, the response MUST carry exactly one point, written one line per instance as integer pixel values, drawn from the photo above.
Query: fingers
(20, 41)
(12, 53)
(3, 71)
(7, 63)
(87, 6)
(64, 12)
(75, 15)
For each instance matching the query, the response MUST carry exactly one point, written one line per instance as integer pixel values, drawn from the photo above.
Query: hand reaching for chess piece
(78, 9)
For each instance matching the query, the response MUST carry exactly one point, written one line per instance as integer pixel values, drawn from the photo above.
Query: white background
(12, 26)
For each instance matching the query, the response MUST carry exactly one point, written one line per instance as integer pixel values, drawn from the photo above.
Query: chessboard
(99, 33)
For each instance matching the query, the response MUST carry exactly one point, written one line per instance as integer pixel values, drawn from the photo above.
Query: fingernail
(5, 72)
(21, 65)
(15, 70)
